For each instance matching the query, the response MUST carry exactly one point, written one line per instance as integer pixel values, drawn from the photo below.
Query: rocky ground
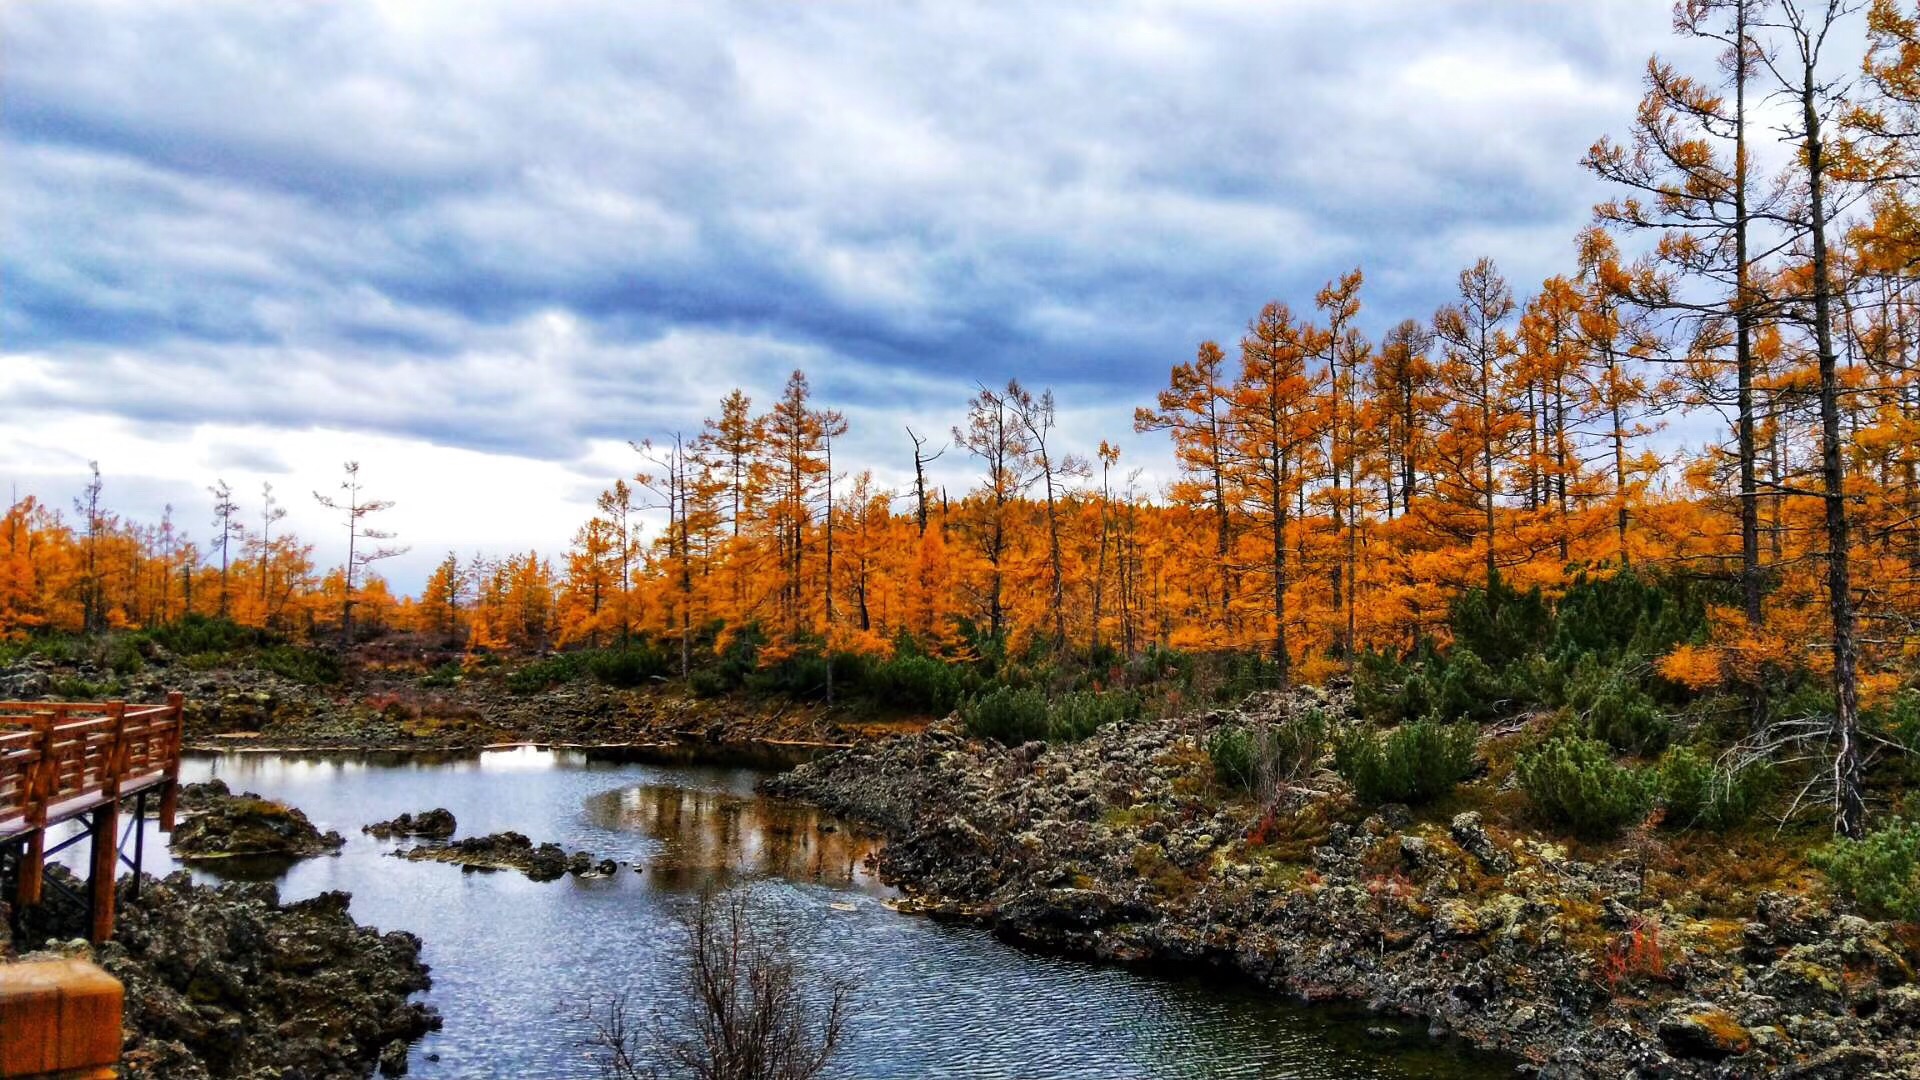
(1610, 962)
(228, 981)
(217, 824)
(512, 851)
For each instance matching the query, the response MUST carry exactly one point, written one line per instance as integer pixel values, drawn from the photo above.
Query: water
(514, 962)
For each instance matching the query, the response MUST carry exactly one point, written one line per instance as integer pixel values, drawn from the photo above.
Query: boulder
(217, 825)
(1704, 1030)
(435, 824)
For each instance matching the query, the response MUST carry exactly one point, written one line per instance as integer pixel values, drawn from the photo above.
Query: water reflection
(716, 836)
(511, 957)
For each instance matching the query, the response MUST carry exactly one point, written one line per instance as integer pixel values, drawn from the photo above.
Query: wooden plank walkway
(76, 761)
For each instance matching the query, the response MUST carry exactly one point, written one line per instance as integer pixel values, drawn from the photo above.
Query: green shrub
(194, 634)
(1248, 757)
(709, 682)
(1415, 763)
(639, 663)
(921, 684)
(801, 676)
(1879, 872)
(1624, 616)
(122, 654)
(1014, 715)
(1459, 687)
(445, 675)
(1072, 717)
(75, 688)
(1614, 709)
(1696, 792)
(314, 667)
(537, 675)
(1575, 781)
(1898, 719)
(1501, 625)
(1006, 714)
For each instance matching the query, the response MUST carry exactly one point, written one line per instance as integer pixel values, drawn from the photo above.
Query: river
(514, 962)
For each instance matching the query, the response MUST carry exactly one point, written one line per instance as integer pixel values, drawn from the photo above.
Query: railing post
(106, 829)
(40, 784)
(170, 790)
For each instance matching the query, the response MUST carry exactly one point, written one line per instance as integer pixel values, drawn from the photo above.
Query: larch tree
(226, 529)
(1273, 419)
(1037, 415)
(1477, 446)
(1687, 171)
(1194, 409)
(364, 547)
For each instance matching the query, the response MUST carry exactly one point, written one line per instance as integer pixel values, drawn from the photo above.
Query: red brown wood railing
(64, 760)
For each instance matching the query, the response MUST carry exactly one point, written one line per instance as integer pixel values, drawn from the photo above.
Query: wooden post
(33, 862)
(170, 790)
(106, 830)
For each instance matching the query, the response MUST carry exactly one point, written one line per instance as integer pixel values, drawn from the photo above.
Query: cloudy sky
(478, 247)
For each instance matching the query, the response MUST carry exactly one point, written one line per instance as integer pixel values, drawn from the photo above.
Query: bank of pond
(515, 963)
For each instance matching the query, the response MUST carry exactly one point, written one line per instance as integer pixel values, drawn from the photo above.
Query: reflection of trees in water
(713, 835)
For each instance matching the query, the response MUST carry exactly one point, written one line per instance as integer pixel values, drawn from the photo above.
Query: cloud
(536, 230)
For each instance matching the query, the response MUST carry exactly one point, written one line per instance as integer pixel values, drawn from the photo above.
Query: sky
(481, 247)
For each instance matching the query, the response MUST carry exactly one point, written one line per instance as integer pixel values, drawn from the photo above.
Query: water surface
(515, 961)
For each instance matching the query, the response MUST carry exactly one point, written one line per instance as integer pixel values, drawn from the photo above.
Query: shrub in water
(1574, 780)
(1415, 763)
(1880, 872)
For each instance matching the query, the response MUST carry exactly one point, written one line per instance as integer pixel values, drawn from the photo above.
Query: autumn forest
(1721, 392)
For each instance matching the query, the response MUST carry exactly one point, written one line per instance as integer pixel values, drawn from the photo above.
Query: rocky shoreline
(228, 981)
(1122, 848)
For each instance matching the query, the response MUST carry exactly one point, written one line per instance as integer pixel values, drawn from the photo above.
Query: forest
(1675, 489)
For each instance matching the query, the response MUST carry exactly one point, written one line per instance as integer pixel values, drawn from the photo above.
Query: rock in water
(435, 824)
(505, 851)
(220, 825)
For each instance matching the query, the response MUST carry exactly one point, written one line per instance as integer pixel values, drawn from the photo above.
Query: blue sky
(479, 247)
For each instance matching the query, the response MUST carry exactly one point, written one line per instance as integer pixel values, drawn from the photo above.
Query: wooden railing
(63, 760)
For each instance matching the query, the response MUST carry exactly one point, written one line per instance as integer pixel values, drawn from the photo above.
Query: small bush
(538, 675)
(1015, 715)
(1006, 714)
(123, 655)
(634, 665)
(74, 688)
(1615, 710)
(709, 682)
(801, 676)
(1072, 717)
(1415, 763)
(192, 635)
(1498, 623)
(921, 684)
(447, 674)
(313, 667)
(1880, 872)
(1575, 781)
(1696, 792)
(1255, 757)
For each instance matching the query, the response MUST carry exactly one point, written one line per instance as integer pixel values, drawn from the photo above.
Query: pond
(514, 961)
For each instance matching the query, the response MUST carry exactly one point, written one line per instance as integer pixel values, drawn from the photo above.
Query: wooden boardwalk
(71, 761)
